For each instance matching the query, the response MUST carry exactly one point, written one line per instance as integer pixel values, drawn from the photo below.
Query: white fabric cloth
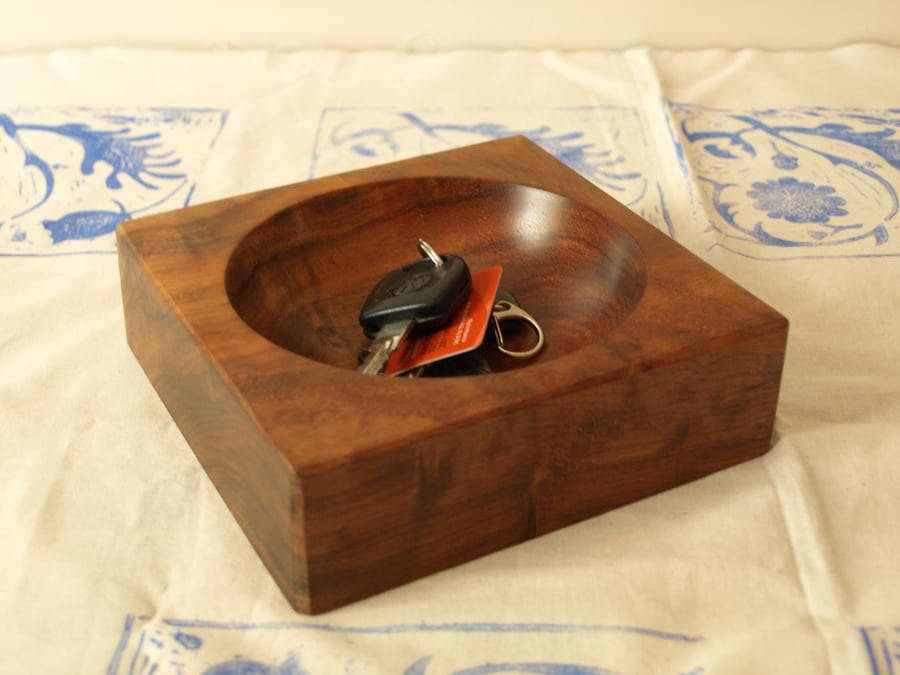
(781, 169)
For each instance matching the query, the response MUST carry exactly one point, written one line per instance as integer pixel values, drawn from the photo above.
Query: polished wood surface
(657, 370)
(302, 287)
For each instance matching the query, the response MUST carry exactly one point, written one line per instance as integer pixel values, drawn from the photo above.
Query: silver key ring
(506, 311)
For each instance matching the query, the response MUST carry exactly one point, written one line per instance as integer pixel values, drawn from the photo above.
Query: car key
(423, 294)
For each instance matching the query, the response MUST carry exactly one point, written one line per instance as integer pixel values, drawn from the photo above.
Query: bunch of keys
(423, 297)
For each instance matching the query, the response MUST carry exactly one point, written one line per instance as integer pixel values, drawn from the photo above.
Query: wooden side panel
(253, 479)
(663, 428)
(443, 501)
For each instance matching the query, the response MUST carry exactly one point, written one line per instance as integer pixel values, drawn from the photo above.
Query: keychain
(430, 317)
(506, 311)
(509, 311)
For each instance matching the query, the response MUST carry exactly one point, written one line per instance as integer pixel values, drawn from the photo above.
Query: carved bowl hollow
(300, 277)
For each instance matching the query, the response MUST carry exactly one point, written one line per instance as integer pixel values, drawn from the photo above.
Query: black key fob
(421, 291)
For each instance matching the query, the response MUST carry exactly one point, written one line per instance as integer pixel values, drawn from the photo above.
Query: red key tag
(464, 333)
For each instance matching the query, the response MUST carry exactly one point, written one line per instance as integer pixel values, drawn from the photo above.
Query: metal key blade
(383, 345)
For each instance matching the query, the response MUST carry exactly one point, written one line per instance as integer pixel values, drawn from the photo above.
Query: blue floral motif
(783, 161)
(842, 199)
(797, 202)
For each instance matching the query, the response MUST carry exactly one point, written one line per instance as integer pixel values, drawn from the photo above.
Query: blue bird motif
(85, 224)
(74, 174)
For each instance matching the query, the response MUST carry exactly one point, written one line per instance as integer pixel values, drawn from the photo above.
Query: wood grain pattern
(658, 369)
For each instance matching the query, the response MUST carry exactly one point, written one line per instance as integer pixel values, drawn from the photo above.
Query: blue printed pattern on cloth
(779, 183)
(179, 647)
(605, 144)
(793, 182)
(883, 647)
(69, 176)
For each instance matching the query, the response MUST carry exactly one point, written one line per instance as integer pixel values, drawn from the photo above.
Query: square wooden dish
(243, 312)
